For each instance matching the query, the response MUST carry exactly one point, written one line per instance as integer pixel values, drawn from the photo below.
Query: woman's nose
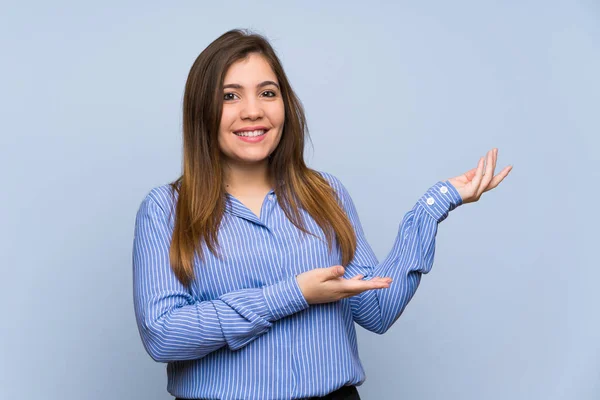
(252, 109)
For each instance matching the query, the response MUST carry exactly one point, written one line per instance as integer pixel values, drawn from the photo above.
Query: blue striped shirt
(243, 329)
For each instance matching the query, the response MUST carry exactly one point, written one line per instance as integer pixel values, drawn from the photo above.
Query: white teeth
(250, 133)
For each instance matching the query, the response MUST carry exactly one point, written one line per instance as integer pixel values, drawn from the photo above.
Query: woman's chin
(250, 159)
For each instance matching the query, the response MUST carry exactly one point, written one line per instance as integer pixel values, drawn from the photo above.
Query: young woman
(251, 269)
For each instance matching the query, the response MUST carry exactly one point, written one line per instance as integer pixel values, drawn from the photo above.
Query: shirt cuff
(440, 199)
(284, 298)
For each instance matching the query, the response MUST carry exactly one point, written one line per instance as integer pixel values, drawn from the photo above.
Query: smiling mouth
(251, 133)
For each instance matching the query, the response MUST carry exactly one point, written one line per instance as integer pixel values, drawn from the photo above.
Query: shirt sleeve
(412, 254)
(172, 323)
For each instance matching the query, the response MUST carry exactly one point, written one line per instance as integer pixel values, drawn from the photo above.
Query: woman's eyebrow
(262, 84)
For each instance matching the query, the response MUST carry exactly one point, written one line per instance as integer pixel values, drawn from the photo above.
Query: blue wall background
(398, 96)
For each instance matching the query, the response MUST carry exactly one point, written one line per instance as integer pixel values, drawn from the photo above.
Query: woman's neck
(247, 178)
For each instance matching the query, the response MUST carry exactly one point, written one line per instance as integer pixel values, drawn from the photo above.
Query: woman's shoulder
(164, 196)
(330, 178)
(333, 181)
(337, 185)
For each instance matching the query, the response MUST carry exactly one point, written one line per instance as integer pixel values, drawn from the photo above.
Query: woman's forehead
(251, 71)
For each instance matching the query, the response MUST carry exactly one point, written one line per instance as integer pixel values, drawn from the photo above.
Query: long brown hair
(201, 192)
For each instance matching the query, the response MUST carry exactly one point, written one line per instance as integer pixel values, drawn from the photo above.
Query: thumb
(337, 271)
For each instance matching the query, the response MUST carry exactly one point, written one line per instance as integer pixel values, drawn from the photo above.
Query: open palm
(473, 183)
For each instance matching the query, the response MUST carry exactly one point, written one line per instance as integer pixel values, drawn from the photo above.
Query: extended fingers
(498, 178)
(478, 175)
(495, 181)
(386, 279)
(489, 173)
(351, 287)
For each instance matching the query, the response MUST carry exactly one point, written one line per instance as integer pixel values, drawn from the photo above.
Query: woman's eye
(231, 96)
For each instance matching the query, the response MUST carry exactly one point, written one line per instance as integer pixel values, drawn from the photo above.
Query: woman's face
(251, 102)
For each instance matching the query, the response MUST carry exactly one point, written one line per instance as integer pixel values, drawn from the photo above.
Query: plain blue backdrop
(397, 96)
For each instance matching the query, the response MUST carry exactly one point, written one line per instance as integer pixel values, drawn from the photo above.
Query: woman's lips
(253, 139)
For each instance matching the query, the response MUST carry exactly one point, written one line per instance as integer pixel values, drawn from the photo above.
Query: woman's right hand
(325, 285)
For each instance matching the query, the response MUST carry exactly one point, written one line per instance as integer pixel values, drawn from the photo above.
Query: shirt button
(430, 201)
(444, 189)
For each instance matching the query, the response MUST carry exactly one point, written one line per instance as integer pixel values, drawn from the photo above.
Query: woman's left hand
(472, 184)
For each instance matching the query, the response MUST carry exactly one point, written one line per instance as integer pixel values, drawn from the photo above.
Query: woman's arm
(173, 325)
(411, 255)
